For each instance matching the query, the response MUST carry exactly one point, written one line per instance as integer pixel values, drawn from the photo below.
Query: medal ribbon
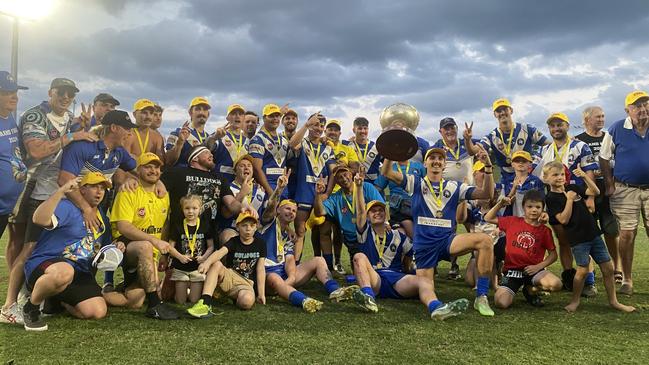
(350, 205)
(199, 135)
(280, 238)
(237, 143)
(360, 151)
(314, 156)
(139, 140)
(192, 241)
(437, 197)
(455, 154)
(277, 144)
(380, 248)
(559, 156)
(508, 148)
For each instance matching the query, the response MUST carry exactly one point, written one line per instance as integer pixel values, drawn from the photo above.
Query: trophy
(397, 141)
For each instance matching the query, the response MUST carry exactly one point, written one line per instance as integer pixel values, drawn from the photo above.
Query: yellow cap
(245, 215)
(93, 178)
(198, 101)
(271, 109)
(291, 111)
(439, 151)
(634, 96)
(244, 157)
(559, 116)
(143, 103)
(233, 107)
(500, 102)
(478, 165)
(333, 122)
(287, 202)
(522, 154)
(373, 203)
(147, 158)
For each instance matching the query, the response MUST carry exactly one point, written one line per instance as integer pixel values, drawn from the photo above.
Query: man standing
(269, 148)
(144, 138)
(365, 149)
(250, 124)
(157, 117)
(459, 162)
(191, 134)
(102, 104)
(628, 184)
(232, 145)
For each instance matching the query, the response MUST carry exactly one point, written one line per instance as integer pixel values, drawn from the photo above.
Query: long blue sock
(434, 304)
(296, 298)
(329, 259)
(590, 278)
(483, 286)
(108, 276)
(331, 285)
(367, 290)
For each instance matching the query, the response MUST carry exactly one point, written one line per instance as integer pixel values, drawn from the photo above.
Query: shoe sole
(457, 307)
(36, 329)
(360, 299)
(346, 294)
(312, 306)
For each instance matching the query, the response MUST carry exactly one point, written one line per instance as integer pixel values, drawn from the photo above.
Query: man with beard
(192, 133)
(289, 121)
(250, 124)
(269, 148)
(144, 138)
(573, 154)
(365, 149)
(232, 145)
(45, 129)
(628, 183)
(102, 104)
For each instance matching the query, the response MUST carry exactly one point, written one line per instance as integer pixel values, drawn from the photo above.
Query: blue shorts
(595, 249)
(428, 255)
(388, 279)
(305, 194)
(279, 270)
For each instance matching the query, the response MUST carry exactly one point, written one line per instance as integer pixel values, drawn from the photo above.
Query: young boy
(243, 271)
(523, 182)
(567, 205)
(527, 241)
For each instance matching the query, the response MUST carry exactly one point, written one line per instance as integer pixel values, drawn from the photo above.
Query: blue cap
(446, 122)
(8, 83)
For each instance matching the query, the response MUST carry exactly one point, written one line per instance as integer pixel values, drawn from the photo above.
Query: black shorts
(4, 219)
(513, 280)
(499, 249)
(603, 214)
(32, 231)
(83, 285)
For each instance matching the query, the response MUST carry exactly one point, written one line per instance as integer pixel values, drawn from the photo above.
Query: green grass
(400, 333)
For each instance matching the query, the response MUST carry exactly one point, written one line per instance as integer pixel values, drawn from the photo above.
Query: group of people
(226, 213)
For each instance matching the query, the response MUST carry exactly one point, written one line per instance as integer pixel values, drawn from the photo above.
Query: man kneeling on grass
(59, 268)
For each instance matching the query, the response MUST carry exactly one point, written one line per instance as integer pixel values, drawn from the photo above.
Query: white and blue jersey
(278, 247)
(82, 157)
(257, 199)
(369, 157)
(459, 164)
(313, 162)
(227, 151)
(523, 138)
(272, 150)
(531, 183)
(195, 138)
(394, 249)
(577, 154)
(12, 168)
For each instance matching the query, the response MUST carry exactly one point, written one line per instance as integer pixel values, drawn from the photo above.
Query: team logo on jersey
(571, 159)
(371, 154)
(141, 212)
(344, 210)
(447, 194)
(393, 247)
(424, 189)
(520, 141)
(269, 146)
(227, 143)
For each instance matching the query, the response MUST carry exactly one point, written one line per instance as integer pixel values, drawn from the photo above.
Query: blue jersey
(195, 138)
(531, 183)
(82, 157)
(434, 209)
(257, 199)
(278, 244)
(577, 153)
(523, 137)
(69, 239)
(272, 150)
(313, 162)
(369, 157)
(397, 194)
(12, 168)
(340, 207)
(459, 164)
(394, 248)
(227, 151)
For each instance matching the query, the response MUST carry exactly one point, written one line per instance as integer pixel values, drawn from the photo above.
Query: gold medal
(379, 265)
(280, 258)
(508, 160)
(458, 164)
(439, 214)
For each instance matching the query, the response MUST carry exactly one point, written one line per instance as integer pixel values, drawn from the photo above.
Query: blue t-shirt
(314, 161)
(81, 157)
(272, 150)
(630, 151)
(369, 157)
(397, 194)
(12, 168)
(227, 151)
(340, 208)
(396, 247)
(69, 239)
(276, 252)
(195, 138)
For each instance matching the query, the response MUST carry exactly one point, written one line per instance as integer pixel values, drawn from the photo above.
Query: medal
(508, 160)
(458, 164)
(280, 258)
(439, 214)
(379, 265)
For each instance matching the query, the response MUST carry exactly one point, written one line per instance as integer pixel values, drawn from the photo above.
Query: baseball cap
(233, 107)
(439, 151)
(339, 168)
(94, 178)
(142, 104)
(198, 101)
(61, 82)
(194, 152)
(500, 102)
(559, 116)
(446, 122)
(107, 98)
(147, 158)
(522, 154)
(118, 117)
(244, 157)
(634, 96)
(291, 111)
(333, 122)
(245, 215)
(270, 109)
(477, 166)
(361, 121)
(108, 258)
(374, 203)
(8, 83)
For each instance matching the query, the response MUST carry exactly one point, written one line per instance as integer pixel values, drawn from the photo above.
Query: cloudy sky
(346, 58)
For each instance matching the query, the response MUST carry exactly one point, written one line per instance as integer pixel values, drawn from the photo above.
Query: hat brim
(109, 100)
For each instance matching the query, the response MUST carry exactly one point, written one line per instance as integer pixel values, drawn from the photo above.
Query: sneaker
(625, 289)
(343, 293)
(200, 310)
(12, 315)
(451, 309)
(481, 304)
(311, 305)
(33, 321)
(23, 296)
(454, 273)
(567, 277)
(161, 311)
(365, 301)
(339, 269)
(108, 288)
(589, 291)
(532, 297)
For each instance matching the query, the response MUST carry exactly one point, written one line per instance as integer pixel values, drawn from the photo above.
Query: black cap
(107, 98)
(118, 117)
(61, 82)
(446, 122)
(361, 121)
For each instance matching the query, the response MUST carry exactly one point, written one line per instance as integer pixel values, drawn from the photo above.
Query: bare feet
(623, 308)
(572, 307)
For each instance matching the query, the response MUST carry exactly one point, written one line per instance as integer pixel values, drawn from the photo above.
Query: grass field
(400, 333)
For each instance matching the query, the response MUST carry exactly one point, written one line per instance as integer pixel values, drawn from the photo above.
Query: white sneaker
(23, 296)
(12, 315)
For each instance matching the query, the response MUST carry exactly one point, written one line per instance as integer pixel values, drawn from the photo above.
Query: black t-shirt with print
(181, 243)
(582, 226)
(243, 258)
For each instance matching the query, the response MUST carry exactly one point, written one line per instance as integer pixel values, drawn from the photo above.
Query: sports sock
(207, 299)
(367, 290)
(296, 298)
(331, 285)
(108, 277)
(434, 304)
(153, 299)
(483, 286)
(590, 278)
(329, 259)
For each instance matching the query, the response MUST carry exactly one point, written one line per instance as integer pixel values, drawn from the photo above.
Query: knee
(95, 311)
(485, 243)
(246, 301)
(502, 303)
(64, 276)
(142, 248)
(607, 268)
(358, 258)
(320, 261)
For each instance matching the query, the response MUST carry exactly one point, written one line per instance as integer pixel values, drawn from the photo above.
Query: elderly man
(628, 184)
(102, 104)
(191, 134)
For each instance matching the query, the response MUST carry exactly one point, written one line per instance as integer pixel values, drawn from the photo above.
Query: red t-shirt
(526, 244)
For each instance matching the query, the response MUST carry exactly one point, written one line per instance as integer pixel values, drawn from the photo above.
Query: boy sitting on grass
(567, 204)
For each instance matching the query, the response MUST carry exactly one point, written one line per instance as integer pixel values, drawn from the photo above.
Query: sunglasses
(66, 93)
